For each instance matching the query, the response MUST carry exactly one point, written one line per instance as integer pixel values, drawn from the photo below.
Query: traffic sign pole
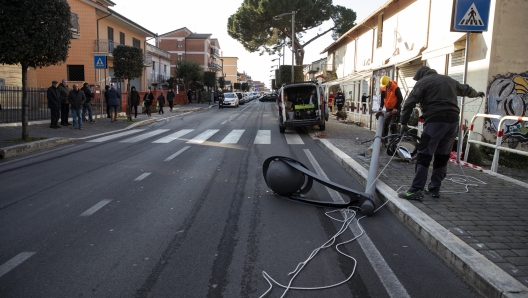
(461, 128)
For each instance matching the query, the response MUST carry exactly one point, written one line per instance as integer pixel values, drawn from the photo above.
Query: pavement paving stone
(518, 261)
(521, 252)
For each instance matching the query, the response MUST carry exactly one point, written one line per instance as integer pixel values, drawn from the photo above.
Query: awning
(349, 78)
(408, 61)
(444, 46)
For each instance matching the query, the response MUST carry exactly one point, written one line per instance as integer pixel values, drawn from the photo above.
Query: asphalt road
(179, 208)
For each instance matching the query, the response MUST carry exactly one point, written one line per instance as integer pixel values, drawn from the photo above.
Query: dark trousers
(390, 125)
(160, 111)
(436, 141)
(55, 114)
(108, 111)
(65, 113)
(339, 107)
(171, 104)
(135, 111)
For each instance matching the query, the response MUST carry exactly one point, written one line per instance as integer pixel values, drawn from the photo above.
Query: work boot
(411, 195)
(432, 192)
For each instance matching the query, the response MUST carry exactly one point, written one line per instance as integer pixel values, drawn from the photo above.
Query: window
(380, 30)
(76, 73)
(180, 44)
(111, 33)
(165, 68)
(179, 57)
(153, 65)
(122, 38)
(136, 43)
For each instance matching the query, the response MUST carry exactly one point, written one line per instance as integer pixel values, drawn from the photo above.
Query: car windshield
(229, 95)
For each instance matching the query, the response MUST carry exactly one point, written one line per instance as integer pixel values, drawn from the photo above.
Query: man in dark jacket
(148, 99)
(112, 99)
(437, 96)
(54, 104)
(170, 98)
(76, 98)
(161, 103)
(339, 99)
(189, 95)
(65, 105)
(87, 106)
(133, 101)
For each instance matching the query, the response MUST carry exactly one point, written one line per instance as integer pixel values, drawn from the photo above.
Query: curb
(19, 149)
(479, 272)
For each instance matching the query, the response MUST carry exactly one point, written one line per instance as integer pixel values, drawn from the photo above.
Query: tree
(35, 34)
(221, 82)
(209, 80)
(128, 65)
(245, 87)
(189, 72)
(236, 86)
(254, 27)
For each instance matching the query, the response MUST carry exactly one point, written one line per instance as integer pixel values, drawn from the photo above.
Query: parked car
(298, 108)
(230, 99)
(241, 99)
(248, 95)
(269, 97)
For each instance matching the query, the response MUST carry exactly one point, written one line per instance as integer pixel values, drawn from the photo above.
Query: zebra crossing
(191, 136)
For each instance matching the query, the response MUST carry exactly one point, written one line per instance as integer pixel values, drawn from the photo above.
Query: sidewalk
(481, 234)
(54, 137)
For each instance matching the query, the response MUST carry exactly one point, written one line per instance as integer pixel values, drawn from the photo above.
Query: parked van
(302, 104)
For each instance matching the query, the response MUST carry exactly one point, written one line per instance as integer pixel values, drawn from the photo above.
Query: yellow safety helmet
(384, 81)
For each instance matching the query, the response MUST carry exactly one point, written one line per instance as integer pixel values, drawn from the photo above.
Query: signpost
(468, 16)
(100, 62)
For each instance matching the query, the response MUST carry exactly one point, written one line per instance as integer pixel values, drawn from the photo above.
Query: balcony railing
(104, 46)
(215, 52)
(147, 59)
(215, 66)
(75, 28)
(158, 52)
(157, 77)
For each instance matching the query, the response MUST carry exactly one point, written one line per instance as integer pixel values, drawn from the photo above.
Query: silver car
(230, 100)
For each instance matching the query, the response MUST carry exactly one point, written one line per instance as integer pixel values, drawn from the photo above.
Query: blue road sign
(99, 62)
(470, 15)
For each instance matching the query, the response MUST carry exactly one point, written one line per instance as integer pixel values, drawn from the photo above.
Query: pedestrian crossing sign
(470, 15)
(99, 62)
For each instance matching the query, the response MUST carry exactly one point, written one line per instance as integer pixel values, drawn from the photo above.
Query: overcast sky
(208, 16)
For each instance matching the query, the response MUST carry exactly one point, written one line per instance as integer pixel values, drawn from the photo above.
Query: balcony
(215, 66)
(104, 46)
(215, 52)
(147, 59)
(158, 52)
(158, 77)
(75, 28)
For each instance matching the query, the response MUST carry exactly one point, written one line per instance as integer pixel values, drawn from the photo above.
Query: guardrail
(498, 144)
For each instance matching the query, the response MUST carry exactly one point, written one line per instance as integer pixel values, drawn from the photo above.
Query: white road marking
(142, 176)
(392, 284)
(263, 137)
(173, 136)
(199, 139)
(115, 136)
(95, 208)
(177, 153)
(17, 260)
(293, 138)
(144, 136)
(233, 136)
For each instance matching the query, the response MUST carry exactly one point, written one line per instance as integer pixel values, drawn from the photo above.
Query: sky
(209, 16)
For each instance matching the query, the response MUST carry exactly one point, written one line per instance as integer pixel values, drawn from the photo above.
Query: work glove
(404, 129)
(481, 94)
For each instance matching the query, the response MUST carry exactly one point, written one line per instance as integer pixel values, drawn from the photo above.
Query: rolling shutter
(456, 65)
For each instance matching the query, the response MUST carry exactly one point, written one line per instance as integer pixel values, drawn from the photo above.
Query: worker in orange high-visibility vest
(391, 99)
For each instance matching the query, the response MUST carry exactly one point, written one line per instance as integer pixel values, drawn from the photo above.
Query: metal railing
(215, 52)
(104, 46)
(215, 65)
(147, 59)
(11, 104)
(498, 144)
(156, 77)
(74, 18)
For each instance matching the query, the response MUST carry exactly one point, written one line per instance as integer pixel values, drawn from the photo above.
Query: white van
(302, 104)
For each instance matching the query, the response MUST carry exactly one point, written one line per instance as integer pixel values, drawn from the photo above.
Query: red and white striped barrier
(452, 159)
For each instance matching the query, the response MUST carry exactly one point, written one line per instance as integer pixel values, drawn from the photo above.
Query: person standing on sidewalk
(170, 98)
(65, 105)
(87, 106)
(339, 100)
(133, 100)
(364, 98)
(148, 99)
(189, 95)
(437, 96)
(54, 103)
(113, 97)
(220, 99)
(76, 98)
(391, 99)
(331, 98)
(161, 103)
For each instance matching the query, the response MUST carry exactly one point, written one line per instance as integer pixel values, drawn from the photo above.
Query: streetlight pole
(278, 17)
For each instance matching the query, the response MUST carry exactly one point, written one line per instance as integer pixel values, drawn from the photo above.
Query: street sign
(470, 15)
(255, 88)
(100, 62)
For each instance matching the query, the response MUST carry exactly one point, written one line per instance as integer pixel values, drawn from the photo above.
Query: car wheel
(282, 129)
(322, 126)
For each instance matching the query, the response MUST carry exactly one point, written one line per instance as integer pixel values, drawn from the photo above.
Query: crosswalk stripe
(293, 138)
(115, 136)
(263, 137)
(199, 139)
(173, 136)
(144, 136)
(233, 136)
